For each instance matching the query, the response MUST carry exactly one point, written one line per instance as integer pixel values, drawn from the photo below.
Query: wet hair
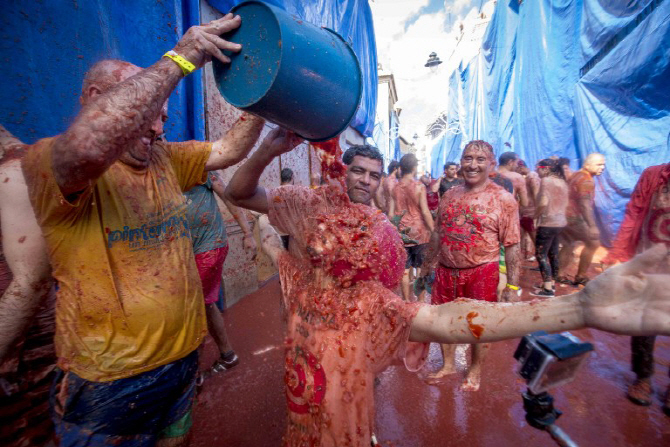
(506, 157)
(407, 164)
(362, 150)
(393, 166)
(522, 164)
(286, 175)
(481, 145)
(450, 163)
(555, 166)
(105, 74)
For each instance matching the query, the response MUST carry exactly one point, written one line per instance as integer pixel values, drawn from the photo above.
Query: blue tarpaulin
(569, 78)
(47, 46)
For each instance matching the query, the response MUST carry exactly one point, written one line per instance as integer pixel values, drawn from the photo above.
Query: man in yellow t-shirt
(108, 196)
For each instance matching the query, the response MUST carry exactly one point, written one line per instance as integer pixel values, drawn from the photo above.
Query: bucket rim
(235, 55)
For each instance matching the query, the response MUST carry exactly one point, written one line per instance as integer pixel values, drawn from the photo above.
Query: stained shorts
(131, 412)
(479, 283)
(210, 267)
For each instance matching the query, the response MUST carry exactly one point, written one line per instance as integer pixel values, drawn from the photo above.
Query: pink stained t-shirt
(338, 340)
(407, 202)
(298, 211)
(473, 225)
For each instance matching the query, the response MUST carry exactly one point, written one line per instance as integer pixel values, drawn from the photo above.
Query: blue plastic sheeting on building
(448, 146)
(535, 100)
(395, 140)
(499, 52)
(602, 20)
(352, 19)
(623, 111)
(546, 72)
(47, 47)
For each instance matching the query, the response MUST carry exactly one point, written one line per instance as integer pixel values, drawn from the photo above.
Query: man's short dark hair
(407, 164)
(506, 157)
(362, 150)
(393, 166)
(286, 175)
(450, 163)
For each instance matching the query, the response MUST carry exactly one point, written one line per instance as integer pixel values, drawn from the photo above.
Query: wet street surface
(246, 406)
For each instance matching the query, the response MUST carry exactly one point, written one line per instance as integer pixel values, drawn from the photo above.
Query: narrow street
(246, 407)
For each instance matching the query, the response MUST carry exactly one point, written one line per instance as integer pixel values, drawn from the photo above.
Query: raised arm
(239, 215)
(243, 189)
(125, 113)
(25, 251)
(631, 299)
(236, 143)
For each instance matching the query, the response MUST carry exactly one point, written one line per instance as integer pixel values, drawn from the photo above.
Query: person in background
(27, 325)
(286, 177)
(565, 165)
(449, 178)
(410, 206)
(527, 213)
(552, 203)
(388, 183)
(644, 224)
(210, 246)
(582, 225)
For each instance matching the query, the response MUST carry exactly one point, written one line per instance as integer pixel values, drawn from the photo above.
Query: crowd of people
(115, 235)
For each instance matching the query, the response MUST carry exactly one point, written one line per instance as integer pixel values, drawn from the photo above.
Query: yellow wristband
(186, 67)
(513, 287)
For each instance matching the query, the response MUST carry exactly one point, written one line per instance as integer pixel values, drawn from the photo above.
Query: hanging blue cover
(352, 19)
(623, 111)
(48, 47)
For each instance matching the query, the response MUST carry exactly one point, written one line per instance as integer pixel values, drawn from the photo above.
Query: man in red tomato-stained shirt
(473, 220)
(581, 218)
(646, 222)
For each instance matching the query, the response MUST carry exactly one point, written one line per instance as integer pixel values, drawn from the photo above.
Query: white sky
(407, 31)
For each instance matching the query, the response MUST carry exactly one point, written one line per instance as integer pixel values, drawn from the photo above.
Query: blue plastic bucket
(295, 74)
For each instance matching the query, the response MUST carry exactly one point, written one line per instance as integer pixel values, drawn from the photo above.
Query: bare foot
(471, 382)
(437, 377)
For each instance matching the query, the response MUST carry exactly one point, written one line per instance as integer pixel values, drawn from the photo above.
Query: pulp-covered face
(138, 154)
(596, 166)
(363, 177)
(475, 164)
(451, 172)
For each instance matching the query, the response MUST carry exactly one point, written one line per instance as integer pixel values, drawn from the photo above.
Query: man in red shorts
(473, 221)
(210, 246)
